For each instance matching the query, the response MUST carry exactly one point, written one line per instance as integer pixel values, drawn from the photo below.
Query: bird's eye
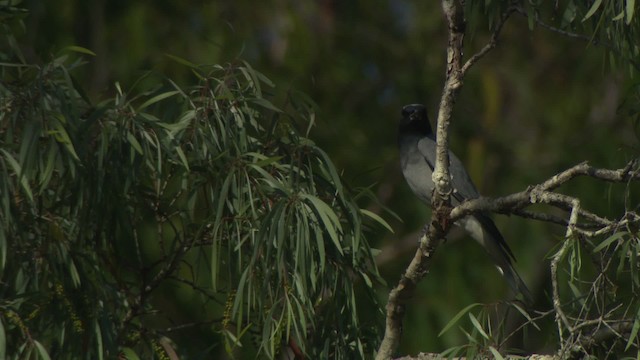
(414, 112)
(408, 111)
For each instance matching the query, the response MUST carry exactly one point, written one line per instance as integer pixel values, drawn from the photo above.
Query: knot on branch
(536, 194)
(442, 182)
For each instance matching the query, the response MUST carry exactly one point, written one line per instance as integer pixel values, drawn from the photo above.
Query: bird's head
(415, 120)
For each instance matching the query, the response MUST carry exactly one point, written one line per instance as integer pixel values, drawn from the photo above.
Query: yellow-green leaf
(377, 218)
(80, 49)
(17, 169)
(134, 142)
(478, 327)
(609, 241)
(455, 319)
(157, 98)
(593, 9)
(630, 8)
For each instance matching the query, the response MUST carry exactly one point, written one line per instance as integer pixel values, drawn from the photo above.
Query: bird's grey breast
(416, 169)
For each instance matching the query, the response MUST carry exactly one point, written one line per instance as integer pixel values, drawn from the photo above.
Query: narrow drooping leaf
(457, 317)
(594, 7)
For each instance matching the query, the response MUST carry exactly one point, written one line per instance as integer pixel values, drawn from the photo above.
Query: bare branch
(601, 334)
(438, 228)
(515, 203)
(399, 295)
(583, 169)
(453, 12)
(561, 318)
(541, 217)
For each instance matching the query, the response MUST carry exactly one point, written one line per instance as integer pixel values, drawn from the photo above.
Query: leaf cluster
(609, 24)
(209, 192)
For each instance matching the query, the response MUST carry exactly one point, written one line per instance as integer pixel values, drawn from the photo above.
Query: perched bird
(417, 145)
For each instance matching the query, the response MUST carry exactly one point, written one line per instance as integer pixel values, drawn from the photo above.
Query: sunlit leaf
(182, 156)
(182, 61)
(477, 325)
(629, 10)
(129, 354)
(266, 104)
(3, 250)
(3, 341)
(496, 354)
(42, 352)
(157, 98)
(18, 171)
(99, 345)
(73, 271)
(328, 217)
(594, 7)
(526, 315)
(79, 49)
(134, 143)
(377, 218)
(611, 239)
(620, 16)
(633, 336)
(452, 353)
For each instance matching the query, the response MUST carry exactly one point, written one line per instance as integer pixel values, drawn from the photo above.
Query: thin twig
(542, 193)
(493, 41)
(561, 318)
(572, 35)
(189, 325)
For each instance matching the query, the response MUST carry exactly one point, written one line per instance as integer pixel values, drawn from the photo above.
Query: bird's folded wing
(463, 189)
(462, 185)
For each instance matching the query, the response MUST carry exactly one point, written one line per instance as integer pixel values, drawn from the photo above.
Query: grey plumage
(417, 145)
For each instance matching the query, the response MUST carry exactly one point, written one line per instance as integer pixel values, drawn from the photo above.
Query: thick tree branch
(439, 226)
(455, 20)
(399, 296)
(541, 193)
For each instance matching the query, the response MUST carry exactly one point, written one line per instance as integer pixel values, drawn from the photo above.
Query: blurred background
(537, 104)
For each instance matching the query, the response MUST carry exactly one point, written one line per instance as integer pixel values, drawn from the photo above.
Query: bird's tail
(483, 230)
(515, 281)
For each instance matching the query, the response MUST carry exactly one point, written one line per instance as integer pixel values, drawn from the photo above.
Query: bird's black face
(414, 119)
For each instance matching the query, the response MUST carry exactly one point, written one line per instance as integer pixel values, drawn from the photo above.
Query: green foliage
(488, 332)
(609, 23)
(597, 313)
(602, 293)
(606, 23)
(209, 193)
